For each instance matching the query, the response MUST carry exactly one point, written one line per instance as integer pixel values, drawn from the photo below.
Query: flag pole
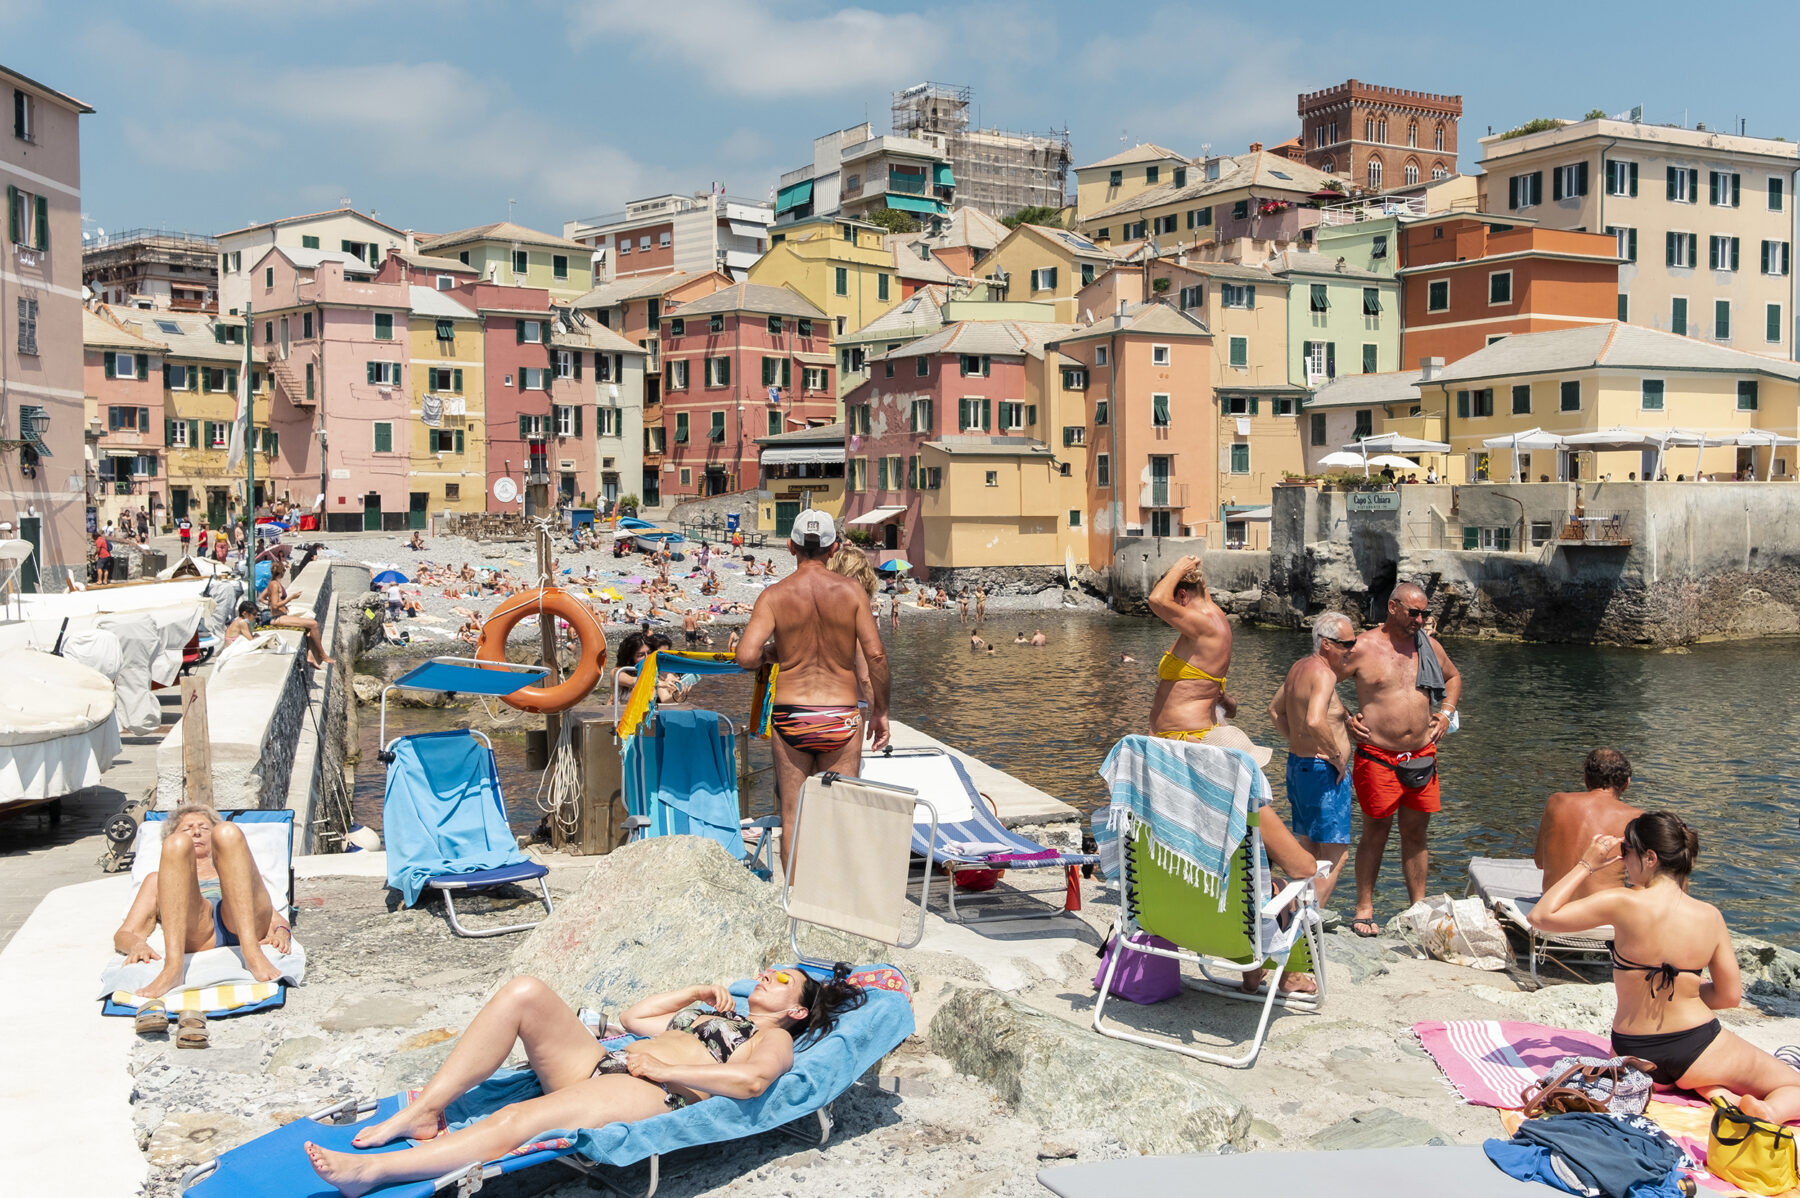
(242, 428)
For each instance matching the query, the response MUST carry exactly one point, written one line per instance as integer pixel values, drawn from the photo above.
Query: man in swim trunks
(811, 624)
(1190, 696)
(1572, 819)
(1306, 711)
(1396, 736)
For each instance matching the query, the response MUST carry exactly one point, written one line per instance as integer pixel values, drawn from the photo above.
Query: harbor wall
(1235, 577)
(318, 790)
(1678, 562)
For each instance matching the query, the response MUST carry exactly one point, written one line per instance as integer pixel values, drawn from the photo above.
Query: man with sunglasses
(1400, 671)
(1306, 711)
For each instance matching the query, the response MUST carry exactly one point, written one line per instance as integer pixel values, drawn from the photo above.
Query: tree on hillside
(1035, 214)
(893, 220)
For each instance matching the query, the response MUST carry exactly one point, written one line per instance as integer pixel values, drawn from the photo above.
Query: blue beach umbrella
(387, 576)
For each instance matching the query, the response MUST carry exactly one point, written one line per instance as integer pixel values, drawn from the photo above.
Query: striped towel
(1193, 800)
(1489, 1062)
(207, 998)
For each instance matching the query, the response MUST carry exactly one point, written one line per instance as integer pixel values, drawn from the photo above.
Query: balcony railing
(1604, 530)
(912, 185)
(1372, 209)
(1160, 494)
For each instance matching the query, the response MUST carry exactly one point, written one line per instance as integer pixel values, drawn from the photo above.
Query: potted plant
(628, 505)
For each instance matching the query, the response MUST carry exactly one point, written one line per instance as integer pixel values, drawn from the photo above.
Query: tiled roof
(996, 338)
(818, 435)
(97, 332)
(288, 220)
(754, 297)
(1142, 152)
(1302, 262)
(1612, 345)
(429, 301)
(500, 230)
(191, 336)
(922, 311)
(620, 290)
(1153, 319)
(429, 262)
(307, 259)
(991, 447)
(1257, 169)
(1368, 390)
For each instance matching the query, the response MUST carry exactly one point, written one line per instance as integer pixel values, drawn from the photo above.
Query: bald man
(1401, 673)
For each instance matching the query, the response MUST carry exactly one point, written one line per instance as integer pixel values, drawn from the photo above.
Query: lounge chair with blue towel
(443, 816)
(969, 835)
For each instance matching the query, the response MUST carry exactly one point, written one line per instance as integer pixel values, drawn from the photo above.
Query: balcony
(910, 185)
(1596, 531)
(1160, 493)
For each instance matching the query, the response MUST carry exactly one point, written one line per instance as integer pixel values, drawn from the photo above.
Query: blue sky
(213, 114)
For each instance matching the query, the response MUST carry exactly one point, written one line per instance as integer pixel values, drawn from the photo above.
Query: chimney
(1430, 368)
(1256, 147)
(1119, 316)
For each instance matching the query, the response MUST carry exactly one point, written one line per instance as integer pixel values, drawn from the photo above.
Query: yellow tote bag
(1750, 1153)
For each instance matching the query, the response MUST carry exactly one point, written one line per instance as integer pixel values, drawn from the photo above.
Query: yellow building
(449, 424)
(200, 381)
(1259, 195)
(515, 256)
(799, 470)
(1101, 184)
(997, 503)
(842, 266)
(1615, 376)
(1045, 266)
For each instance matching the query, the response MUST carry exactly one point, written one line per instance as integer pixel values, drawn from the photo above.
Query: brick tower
(1379, 138)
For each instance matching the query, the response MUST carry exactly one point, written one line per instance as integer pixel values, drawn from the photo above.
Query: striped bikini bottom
(811, 729)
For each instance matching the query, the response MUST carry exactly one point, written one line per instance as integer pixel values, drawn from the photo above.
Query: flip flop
(190, 1030)
(1366, 921)
(152, 1018)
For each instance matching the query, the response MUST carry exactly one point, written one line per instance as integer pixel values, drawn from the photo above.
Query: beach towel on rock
(1489, 1062)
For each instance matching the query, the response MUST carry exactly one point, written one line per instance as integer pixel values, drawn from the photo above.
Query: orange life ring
(590, 664)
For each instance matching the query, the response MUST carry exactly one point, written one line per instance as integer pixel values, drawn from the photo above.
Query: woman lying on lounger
(1664, 942)
(692, 1053)
(206, 892)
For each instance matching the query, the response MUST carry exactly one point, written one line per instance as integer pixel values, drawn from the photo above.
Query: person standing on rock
(811, 624)
(1400, 671)
(1306, 711)
(980, 604)
(1190, 698)
(1572, 819)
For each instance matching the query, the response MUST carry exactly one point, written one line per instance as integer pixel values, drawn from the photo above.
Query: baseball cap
(813, 530)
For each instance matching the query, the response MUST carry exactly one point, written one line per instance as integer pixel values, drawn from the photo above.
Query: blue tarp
(440, 675)
(443, 813)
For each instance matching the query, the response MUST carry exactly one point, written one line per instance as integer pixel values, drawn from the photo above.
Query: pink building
(335, 344)
(745, 362)
(516, 332)
(967, 379)
(122, 376)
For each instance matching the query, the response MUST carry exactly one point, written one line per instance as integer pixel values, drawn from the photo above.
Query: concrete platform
(1018, 802)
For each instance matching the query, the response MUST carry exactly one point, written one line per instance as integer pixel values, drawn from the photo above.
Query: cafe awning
(793, 195)
(880, 515)
(816, 455)
(914, 204)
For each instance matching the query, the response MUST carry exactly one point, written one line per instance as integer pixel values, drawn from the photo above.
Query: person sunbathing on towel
(1664, 943)
(698, 1047)
(206, 892)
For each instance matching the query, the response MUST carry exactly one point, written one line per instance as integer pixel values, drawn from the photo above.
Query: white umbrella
(1530, 439)
(1394, 460)
(1756, 438)
(1340, 457)
(1397, 443)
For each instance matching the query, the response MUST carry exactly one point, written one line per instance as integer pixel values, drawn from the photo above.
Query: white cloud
(211, 146)
(744, 47)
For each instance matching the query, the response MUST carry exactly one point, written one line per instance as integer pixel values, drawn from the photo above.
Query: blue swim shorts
(1320, 798)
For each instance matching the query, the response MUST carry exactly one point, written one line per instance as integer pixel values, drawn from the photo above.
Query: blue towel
(1192, 799)
(696, 779)
(822, 1071)
(442, 813)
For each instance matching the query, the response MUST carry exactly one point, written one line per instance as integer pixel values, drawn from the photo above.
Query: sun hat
(1229, 736)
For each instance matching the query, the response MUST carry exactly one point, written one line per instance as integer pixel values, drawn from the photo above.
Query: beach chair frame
(1272, 954)
(1591, 946)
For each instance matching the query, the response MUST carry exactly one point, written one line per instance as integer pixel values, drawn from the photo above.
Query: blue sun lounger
(969, 835)
(275, 1165)
(443, 817)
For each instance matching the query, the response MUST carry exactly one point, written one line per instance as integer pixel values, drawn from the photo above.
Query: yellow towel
(209, 998)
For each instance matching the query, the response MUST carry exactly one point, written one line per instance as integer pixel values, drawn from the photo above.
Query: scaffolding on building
(996, 170)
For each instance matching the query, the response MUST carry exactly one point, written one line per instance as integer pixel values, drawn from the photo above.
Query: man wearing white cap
(811, 624)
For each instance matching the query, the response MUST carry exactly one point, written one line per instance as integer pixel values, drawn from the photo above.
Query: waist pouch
(1414, 775)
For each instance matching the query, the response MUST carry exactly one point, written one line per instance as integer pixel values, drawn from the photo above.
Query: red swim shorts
(1379, 789)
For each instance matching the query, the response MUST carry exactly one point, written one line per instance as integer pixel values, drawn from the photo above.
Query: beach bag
(1141, 977)
(1604, 1085)
(1460, 931)
(1750, 1153)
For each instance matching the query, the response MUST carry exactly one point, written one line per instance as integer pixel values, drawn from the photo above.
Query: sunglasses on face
(1332, 640)
(1417, 613)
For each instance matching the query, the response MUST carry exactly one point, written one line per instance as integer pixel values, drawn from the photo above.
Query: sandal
(190, 1030)
(152, 1018)
(1366, 921)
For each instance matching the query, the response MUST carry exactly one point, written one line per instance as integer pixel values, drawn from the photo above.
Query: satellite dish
(505, 490)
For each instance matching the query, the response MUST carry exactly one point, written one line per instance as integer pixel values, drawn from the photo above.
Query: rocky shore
(1003, 1076)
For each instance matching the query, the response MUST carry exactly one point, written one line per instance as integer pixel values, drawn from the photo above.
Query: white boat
(57, 731)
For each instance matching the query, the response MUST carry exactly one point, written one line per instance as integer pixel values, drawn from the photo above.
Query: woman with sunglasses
(696, 1047)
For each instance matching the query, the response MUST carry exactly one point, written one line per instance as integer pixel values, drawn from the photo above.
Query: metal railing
(119, 238)
(1594, 529)
(1372, 209)
(1163, 494)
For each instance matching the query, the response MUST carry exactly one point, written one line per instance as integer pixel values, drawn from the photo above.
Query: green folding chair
(1244, 936)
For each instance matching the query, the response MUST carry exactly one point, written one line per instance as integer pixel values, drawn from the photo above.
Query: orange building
(1468, 279)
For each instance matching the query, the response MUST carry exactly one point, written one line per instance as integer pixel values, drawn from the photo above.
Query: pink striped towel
(1488, 1062)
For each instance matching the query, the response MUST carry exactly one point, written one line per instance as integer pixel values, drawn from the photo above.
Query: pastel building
(336, 344)
(514, 256)
(122, 375)
(594, 441)
(800, 470)
(745, 362)
(1702, 220)
(515, 356)
(340, 231)
(693, 234)
(1042, 265)
(1259, 195)
(42, 405)
(1123, 176)
(841, 267)
(856, 171)
(1342, 319)
(446, 429)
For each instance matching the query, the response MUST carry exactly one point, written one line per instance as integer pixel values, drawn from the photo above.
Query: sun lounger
(223, 986)
(1226, 924)
(969, 834)
(1511, 887)
(1352, 1173)
(443, 816)
(275, 1165)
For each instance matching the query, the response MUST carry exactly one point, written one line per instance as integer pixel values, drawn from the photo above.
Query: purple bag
(1141, 977)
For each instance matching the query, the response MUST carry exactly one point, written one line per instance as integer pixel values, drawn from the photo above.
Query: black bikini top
(1662, 977)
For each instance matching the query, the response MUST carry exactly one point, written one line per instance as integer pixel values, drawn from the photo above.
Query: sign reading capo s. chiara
(1374, 501)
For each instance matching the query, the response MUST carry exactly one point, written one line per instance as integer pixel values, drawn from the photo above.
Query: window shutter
(231, 380)
(524, 372)
(1765, 257)
(12, 213)
(987, 415)
(787, 373)
(1631, 241)
(369, 372)
(1581, 179)
(1031, 414)
(1736, 182)
(112, 418)
(168, 433)
(1250, 297)
(143, 420)
(1330, 360)
(1693, 247)
(1669, 245)
(1052, 273)
(109, 371)
(1734, 250)
(43, 223)
(1712, 252)
(578, 366)
(1462, 405)
(384, 437)
(1693, 181)
(1255, 405)
(1633, 186)
(459, 440)
(1556, 184)
(456, 383)
(768, 372)
(143, 366)
(519, 329)
(1712, 187)
(578, 421)
(1671, 183)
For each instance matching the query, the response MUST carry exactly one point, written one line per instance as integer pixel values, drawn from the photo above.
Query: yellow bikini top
(1175, 669)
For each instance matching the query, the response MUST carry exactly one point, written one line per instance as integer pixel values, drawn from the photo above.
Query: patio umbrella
(387, 576)
(1759, 438)
(895, 563)
(1339, 457)
(1394, 460)
(1530, 439)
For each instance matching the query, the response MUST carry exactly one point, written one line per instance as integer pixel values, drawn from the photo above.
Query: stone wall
(1696, 560)
(1235, 577)
(255, 706)
(318, 789)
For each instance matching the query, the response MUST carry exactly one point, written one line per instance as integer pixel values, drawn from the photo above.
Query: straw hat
(1229, 736)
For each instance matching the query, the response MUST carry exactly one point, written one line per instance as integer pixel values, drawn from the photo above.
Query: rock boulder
(1062, 1076)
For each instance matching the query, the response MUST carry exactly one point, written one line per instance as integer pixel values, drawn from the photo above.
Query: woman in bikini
(1666, 1006)
(697, 1047)
(1190, 694)
(275, 597)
